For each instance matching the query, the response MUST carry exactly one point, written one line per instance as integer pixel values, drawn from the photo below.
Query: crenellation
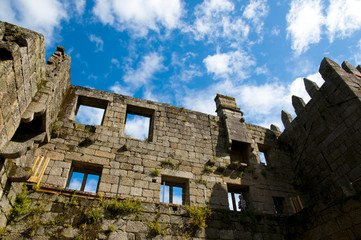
(286, 119)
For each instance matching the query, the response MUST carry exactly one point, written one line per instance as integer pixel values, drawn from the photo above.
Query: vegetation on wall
(86, 218)
(127, 206)
(168, 163)
(198, 216)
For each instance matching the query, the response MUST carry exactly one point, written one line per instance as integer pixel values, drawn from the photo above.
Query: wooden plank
(42, 171)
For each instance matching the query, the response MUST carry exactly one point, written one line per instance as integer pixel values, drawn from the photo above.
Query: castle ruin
(196, 176)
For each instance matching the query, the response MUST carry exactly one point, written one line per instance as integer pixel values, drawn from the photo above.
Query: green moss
(226, 97)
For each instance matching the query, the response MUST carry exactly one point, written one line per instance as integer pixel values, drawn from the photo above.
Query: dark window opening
(237, 197)
(28, 130)
(139, 123)
(174, 190)
(90, 111)
(240, 152)
(278, 204)
(84, 177)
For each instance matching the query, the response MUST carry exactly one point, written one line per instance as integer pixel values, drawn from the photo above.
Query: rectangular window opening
(240, 152)
(139, 123)
(174, 190)
(263, 149)
(90, 111)
(237, 197)
(84, 177)
(278, 204)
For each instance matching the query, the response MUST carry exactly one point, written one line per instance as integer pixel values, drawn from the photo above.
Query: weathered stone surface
(207, 157)
(298, 104)
(286, 118)
(19, 174)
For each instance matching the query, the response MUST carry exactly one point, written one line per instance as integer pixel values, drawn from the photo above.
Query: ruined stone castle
(196, 176)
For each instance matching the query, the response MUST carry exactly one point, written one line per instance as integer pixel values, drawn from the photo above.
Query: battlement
(325, 135)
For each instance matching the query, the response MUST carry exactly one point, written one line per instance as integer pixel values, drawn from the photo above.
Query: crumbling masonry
(309, 188)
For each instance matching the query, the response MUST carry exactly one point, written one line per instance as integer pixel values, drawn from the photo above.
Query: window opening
(278, 204)
(262, 149)
(137, 127)
(173, 190)
(90, 111)
(89, 115)
(263, 158)
(237, 196)
(84, 177)
(139, 123)
(240, 152)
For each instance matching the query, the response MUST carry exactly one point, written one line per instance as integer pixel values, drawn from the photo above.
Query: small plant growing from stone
(155, 172)
(202, 181)
(168, 163)
(111, 228)
(22, 204)
(93, 215)
(198, 216)
(240, 175)
(55, 131)
(154, 228)
(208, 169)
(125, 207)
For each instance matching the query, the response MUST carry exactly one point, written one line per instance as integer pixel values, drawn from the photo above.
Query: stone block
(136, 191)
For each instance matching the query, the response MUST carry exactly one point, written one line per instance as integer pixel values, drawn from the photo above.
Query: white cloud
(256, 10)
(43, 16)
(115, 62)
(139, 16)
(343, 18)
(304, 22)
(119, 89)
(261, 104)
(308, 20)
(148, 66)
(89, 115)
(235, 64)
(98, 42)
(275, 31)
(214, 19)
(137, 126)
(80, 6)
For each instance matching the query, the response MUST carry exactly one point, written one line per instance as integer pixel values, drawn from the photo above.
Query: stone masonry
(313, 168)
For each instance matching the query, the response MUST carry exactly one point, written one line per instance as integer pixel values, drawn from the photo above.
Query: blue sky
(185, 52)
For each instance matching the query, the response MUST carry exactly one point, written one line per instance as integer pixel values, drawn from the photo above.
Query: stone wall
(211, 158)
(54, 214)
(22, 69)
(193, 142)
(31, 93)
(325, 136)
(337, 220)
